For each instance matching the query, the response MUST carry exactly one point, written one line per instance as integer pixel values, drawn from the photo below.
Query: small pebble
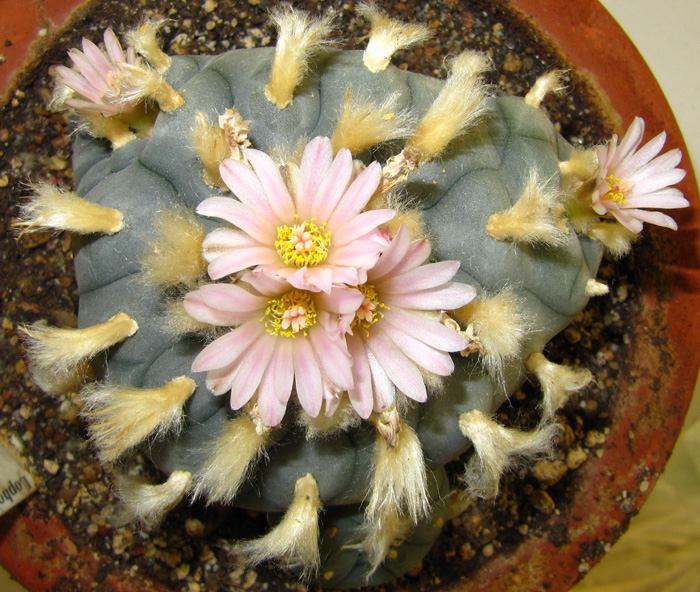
(51, 466)
(549, 472)
(182, 571)
(194, 527)
(542, 501)
(512, 63)
(594, 438)
(466, 552)
(575, 458)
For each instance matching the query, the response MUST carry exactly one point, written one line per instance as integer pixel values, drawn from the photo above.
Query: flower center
(291, 313)
(303, 244)
(618, 188)
(369, 311)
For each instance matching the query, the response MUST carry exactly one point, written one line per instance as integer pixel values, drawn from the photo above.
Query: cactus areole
(307, 285)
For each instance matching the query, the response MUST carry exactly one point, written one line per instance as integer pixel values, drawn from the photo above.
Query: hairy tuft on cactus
(309, 279)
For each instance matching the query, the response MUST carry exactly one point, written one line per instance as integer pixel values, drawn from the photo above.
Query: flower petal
(307, 377)
(252, 367)
(272, 183)
(362, 395)
(93, 59)
(284, 369)
(245, 185)
(270, 409)
(231, 298)
(392, 255)
(641, 159)
(400, 370)
(264, 282)
(421, 278)
(335, 362)
(429, 331)
(113, 47)
(340, 300)
(362, 253)
(238, 259)
(221, 240)
(667, 198)
(357, 196)
(427, 357)
(239, 215)
(227, 348)
(450, 296)
(219, 380)
(333, 185)
(659, 181)
(624, 217)
(361, 225)
(315, 161)
(79, 84)
(318, 279)
(658, 218)
(384, 389)
(631, 140)
(197, 307)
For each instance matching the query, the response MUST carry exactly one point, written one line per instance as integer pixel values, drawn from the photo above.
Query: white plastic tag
(16, 483)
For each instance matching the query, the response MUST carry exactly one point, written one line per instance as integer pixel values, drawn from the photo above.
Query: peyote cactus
(254, 276)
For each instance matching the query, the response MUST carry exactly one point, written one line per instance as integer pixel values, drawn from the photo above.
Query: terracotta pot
(652, 396)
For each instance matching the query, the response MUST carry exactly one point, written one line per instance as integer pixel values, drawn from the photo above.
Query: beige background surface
(668, 37)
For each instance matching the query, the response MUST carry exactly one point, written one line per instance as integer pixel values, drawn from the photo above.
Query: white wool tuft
(121, 418)
(147, 503)
(596, 288)
(616, 239)
(557, 382)
(116, 130)
(538, 217)
(211, 146)
(498, 449)
(140, 83)
(144, 39)
(363, 124)
(499, 327)
(295, 539)
(460, 104)
(387, 36)
(551, 82)
(380, 536)
(229, 458)
(399, 481)
(62, 351)
(54, 209)
(343, 419)
(178, 322)
(174, 256)
(299, 38)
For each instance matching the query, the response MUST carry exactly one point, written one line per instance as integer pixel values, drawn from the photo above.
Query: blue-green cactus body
(482, 173)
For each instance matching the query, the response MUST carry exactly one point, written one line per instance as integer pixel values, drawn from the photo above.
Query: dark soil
(191, 551)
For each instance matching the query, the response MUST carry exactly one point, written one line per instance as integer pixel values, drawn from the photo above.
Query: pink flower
(310, 231)
(630, 181)
(96, 78)
(396, 331)
(284, 338)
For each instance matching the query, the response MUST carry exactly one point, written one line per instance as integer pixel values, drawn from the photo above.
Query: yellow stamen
(618, 188)
(304, 244)
(291, 313)
(369, 311)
